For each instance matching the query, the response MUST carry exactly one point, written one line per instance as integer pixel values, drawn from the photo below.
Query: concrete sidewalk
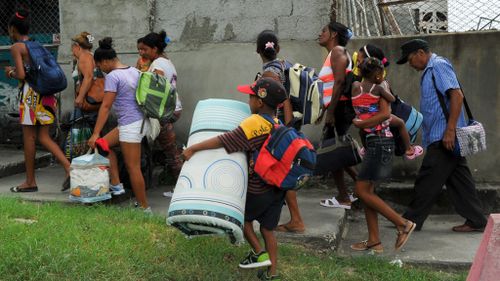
(436, 244)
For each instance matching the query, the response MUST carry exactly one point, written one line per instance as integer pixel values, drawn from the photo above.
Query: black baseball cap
(412, 46)
(269, 90)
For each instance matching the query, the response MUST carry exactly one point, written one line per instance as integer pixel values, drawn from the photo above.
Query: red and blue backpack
(287, 158)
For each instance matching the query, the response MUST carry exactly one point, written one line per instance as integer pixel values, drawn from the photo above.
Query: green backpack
(155, 95)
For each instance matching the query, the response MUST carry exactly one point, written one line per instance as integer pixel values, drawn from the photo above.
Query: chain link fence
(407, 17)
(44, 19)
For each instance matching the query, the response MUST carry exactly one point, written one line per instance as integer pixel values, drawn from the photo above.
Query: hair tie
(366, 52)
(269, 45)
(167, 40)
(384, 61)
(90, 38)
(349, 34)
(19, 16)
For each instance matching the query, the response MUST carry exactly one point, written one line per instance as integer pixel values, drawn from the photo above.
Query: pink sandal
(417, 151)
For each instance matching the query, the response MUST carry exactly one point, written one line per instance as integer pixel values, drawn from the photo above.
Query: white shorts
(131, 133)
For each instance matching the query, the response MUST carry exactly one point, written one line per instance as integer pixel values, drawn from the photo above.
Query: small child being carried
(366, 105)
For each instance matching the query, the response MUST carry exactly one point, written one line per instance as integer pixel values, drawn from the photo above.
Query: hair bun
(106, 43)
(163, 35)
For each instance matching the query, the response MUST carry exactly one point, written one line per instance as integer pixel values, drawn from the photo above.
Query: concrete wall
(213, 49)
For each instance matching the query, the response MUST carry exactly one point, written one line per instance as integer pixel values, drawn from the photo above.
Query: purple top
(123, 82)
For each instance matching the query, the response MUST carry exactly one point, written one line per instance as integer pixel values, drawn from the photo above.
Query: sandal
(334, 203)
(17, 189)
(66, 184)
(287, 228)
(404, 235)
(363, 246)
(417, 151)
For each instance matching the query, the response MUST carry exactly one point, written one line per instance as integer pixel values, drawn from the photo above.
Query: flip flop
(66, 184)
(417, 151)
(333, 203)
(286, 228)
(17, 189)
(404, 235)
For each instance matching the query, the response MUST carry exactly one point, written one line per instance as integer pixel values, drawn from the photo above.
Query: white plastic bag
(89, 178)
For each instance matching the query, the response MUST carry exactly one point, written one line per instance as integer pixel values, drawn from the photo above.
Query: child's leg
(251, 237)
(132, 157)
(364, 191)
(400, 124)
(271, 248)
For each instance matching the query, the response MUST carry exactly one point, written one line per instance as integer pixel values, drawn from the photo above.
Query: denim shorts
(377, 163)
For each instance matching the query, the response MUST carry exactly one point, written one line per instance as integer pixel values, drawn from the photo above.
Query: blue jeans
(377, 163)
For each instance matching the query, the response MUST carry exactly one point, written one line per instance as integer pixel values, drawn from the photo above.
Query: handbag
(470, 139)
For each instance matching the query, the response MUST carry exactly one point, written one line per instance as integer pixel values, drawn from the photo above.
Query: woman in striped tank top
(339, 114)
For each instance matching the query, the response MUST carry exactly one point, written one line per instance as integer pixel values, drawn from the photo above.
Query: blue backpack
(305, 90)
(287, 158)
(45, 75)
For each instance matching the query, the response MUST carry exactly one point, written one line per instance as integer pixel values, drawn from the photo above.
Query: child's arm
(212, 143)
(385, 92)
(383, 114)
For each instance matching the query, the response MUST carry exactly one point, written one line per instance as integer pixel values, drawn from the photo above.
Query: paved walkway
(436, 244)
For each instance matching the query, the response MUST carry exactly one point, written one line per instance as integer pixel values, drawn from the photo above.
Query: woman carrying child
(370, 102)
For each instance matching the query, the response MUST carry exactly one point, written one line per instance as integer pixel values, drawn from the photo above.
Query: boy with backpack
(263, 201)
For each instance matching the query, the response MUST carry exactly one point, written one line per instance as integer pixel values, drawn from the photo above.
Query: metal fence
(44, 19)
(405, 17)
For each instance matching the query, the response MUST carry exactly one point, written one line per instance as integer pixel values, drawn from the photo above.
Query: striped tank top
(366, 106)
(326, 75)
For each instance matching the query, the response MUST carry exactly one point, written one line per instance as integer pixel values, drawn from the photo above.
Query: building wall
(213, 50)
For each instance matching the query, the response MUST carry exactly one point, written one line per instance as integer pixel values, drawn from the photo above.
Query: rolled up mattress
(209, 197)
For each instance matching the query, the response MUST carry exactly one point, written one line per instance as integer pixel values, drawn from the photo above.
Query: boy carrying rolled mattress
(263, 201)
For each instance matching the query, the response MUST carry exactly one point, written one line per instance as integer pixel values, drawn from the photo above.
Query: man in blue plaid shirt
(440, 165)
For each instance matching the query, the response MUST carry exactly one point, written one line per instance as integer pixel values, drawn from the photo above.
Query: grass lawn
(60, 242)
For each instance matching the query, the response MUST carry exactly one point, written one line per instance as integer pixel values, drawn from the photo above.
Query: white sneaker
(117, 189)
(352, 198)
(147, 211)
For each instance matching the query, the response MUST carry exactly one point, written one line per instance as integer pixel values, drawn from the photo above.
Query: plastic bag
(89, 175)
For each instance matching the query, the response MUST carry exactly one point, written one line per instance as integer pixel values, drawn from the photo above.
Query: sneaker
(117, 189)
(147, 211)
(352, 198)
(254, 260)
(262, 275)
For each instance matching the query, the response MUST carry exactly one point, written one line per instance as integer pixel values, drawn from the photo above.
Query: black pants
(441, 167)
